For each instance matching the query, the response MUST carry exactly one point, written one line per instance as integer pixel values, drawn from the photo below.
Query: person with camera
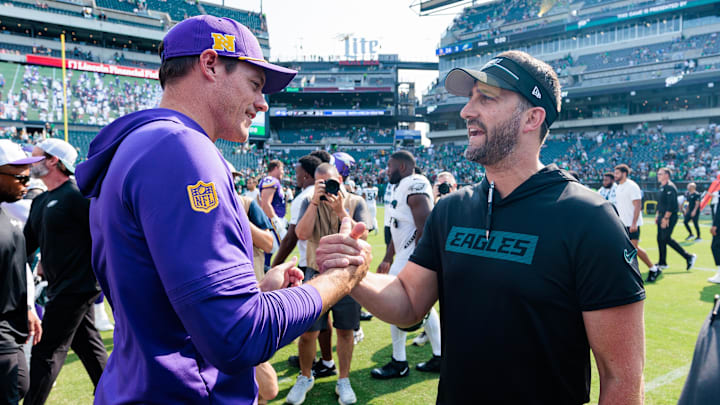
(445, 184)
(319, 217)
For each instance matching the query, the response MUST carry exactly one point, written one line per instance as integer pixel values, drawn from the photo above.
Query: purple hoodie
(173, 254)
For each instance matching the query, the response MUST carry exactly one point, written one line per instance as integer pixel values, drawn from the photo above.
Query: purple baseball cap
(228, 38)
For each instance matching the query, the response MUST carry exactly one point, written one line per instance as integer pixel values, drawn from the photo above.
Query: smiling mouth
(250, 116)
(472, 132)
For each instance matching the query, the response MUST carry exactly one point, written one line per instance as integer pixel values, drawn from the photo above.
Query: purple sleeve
(182, 197)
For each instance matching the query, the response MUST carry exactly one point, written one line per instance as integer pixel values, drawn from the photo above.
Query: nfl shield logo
(203, 197)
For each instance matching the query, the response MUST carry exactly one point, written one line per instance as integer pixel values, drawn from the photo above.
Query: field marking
(704, 269)
(12, 86)
(667, 378)
(284, 380)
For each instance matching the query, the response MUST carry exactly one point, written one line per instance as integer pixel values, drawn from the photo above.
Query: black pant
(715, 247)
(687, 219)
(68, 322)
(664, 238)
(13, 377)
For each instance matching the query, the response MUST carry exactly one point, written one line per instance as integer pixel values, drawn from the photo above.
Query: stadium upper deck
(620, 62)
(341, 102)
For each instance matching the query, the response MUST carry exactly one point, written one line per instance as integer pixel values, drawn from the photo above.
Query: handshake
(345, 252)
(342, 256)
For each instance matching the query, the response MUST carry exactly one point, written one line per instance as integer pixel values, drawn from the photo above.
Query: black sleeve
(428, 251)
(31, 242)
(81, 209)
(605, 262)
(716, 221)
(673, 203)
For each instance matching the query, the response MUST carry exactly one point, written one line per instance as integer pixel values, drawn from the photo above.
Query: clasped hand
(345, 250)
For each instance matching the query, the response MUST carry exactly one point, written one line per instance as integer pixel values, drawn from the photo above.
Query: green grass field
(675, 308)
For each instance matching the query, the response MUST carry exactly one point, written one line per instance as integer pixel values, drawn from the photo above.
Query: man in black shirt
(59, 225)
(535, 267)
(666, 218)
(692, 211)
(17, 320)
(715, 248)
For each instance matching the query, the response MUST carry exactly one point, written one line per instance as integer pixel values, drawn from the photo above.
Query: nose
(466, 113)
(260, 103)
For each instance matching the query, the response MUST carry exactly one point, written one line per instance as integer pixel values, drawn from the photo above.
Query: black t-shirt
(59, 225)
(13, 286)
(692, 199)
(511, 305)
(668, 200)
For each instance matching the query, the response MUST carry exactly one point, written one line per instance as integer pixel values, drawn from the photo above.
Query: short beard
(499, 143)
(38, 171)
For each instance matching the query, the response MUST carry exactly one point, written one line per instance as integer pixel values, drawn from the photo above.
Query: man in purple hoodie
(171, 245)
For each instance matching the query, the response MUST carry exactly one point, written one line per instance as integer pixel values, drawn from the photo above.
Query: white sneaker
(297, 393)
(102, 322)
(715, 279)
(358, 336)
(421, 339)
(345, 393)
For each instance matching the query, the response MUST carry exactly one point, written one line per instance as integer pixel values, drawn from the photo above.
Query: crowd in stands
(352, 134)
(694, 156)
(677, 50)
(93, 98)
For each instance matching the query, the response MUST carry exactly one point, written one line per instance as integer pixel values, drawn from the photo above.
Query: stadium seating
(253, 21)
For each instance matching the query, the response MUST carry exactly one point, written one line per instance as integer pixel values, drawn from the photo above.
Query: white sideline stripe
(704, 269)
(667, 378)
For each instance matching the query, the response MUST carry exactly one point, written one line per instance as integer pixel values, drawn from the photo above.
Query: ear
(534, 118)
(209, 62)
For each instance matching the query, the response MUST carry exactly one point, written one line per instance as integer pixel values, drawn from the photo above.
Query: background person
(18, 322)
(628, 202)
(58, 224)
(411, 205)
(320, 217)
(444, 178)
(692, 211)
(666, 218)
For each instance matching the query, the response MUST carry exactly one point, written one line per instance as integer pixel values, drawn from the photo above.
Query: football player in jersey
(387, 200)
(411, 204)
(272, 197)
(370, 194)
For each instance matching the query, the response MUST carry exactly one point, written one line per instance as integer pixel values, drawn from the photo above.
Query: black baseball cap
(506, 74)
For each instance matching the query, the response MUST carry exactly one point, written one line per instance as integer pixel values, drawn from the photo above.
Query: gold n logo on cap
(223, 42)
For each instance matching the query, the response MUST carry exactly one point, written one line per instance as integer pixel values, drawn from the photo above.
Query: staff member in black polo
(692, 211)
(666, 218)
(59, 225)
(17, 320)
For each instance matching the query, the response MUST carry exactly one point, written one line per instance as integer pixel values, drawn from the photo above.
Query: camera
(444, 188)
(332, 187)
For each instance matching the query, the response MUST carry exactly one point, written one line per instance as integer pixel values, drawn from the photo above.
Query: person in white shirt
(628, 202)
(370, 194)
(387, 200)
(608, 187)
(412, 201)
(252, 190)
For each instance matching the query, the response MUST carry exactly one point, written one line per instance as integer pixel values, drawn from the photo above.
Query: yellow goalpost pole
(65, 119)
